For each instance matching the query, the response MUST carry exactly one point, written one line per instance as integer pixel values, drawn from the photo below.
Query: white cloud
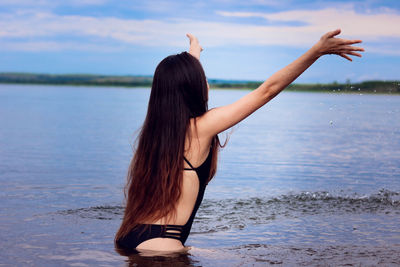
(52, 3)
(34, 27)
(367, 26)
(53, 46)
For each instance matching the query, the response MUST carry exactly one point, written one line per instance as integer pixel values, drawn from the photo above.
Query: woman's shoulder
(197, 144)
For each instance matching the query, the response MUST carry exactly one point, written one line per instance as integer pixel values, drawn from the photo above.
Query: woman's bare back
(196, 152)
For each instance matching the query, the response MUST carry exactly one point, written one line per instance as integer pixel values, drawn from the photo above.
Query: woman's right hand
(329, 44)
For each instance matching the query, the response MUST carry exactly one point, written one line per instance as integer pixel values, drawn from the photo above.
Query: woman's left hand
(195, 47)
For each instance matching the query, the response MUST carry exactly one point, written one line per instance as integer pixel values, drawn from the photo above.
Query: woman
(164, 189)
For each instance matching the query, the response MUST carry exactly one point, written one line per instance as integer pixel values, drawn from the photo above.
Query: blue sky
(242, 40)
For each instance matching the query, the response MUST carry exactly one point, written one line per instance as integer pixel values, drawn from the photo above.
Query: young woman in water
(177, 149)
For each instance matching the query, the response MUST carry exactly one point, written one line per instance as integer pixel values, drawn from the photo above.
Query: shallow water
(310, 179)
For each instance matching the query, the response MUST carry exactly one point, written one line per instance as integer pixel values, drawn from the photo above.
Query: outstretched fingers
(329, 44)
(345, 56)
(351, 42)
(353, 48)
(332, 33)
(345, 50)
(354, 54)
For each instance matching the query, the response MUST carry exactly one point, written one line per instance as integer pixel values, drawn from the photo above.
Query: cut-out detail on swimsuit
(145, 232)
(173, 231)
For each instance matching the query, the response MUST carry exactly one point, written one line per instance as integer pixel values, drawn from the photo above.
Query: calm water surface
(309, 179)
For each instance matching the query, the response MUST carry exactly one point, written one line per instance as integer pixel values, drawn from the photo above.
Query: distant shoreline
(375, 86)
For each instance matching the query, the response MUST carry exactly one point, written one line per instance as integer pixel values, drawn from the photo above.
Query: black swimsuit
(179, 232)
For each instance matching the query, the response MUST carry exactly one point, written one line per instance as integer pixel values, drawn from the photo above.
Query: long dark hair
(179, 92)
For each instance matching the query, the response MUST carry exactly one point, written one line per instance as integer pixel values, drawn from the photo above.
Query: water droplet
(331, 122)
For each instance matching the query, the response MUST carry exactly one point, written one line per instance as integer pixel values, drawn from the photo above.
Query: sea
(310, 179)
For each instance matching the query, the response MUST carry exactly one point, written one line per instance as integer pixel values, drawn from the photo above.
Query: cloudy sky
(242, 40)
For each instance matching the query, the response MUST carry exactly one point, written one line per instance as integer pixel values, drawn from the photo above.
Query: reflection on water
(310, 179)
(179, 260)
(153, 258)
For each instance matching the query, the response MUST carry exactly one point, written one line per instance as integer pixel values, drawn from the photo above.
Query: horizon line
(348, 81)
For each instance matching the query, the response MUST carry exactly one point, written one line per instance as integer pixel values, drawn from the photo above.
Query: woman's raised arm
(219, 119)
(195, 48)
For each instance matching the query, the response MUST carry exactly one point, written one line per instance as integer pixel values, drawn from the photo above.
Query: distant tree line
(145, 81)
(76, 79)
(367, 86)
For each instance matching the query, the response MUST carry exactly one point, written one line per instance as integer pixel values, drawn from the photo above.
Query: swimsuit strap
(191, 166)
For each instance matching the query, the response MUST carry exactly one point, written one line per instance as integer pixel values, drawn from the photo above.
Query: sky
(242, 40)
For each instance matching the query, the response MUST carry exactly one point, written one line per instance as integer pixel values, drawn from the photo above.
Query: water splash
(239, 212)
